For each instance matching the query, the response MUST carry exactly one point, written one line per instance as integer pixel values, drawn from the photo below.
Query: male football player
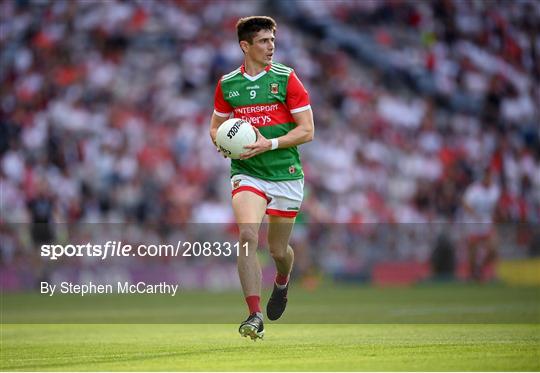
(268, 178)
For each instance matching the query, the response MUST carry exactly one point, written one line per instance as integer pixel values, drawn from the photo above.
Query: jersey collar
(253, 78)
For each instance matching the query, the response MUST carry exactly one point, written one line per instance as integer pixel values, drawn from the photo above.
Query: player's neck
(252, 68)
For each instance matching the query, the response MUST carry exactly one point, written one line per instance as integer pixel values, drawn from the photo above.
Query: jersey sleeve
(297, 96)
(221, 107)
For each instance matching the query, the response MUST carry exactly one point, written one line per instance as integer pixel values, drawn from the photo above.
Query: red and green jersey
(267, 101)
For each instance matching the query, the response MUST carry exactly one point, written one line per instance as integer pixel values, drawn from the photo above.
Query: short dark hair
(247, 27)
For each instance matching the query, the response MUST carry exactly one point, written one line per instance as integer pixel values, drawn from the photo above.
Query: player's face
(261, 50)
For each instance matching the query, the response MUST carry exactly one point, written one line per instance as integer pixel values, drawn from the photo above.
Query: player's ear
(244, 45)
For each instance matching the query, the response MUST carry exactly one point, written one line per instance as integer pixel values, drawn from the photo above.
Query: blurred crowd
(106, 105)
(411, 158)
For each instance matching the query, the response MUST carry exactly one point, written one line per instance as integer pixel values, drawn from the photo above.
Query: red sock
(253, 302)
(281, 279)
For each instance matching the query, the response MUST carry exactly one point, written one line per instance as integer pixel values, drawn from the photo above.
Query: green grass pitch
(487, 328)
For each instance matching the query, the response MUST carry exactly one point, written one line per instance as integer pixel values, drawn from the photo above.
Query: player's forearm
(215, 122)
(297, 136)
(302, 133)
(467, 207)
(213, 132)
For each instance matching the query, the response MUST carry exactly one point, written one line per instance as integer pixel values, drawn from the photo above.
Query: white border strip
(300, 109)
(223, 115)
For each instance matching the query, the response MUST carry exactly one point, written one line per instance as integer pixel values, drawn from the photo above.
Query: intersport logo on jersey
(263, 115)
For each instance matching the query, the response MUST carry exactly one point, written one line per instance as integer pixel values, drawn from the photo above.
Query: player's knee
(250, 236)
(278, 255)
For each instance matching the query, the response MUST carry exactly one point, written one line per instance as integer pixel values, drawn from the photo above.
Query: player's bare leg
(279, 234)
(474, 268)
(491, 251)
(249, 210)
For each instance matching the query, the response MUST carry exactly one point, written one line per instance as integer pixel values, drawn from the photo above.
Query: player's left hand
(260, 146)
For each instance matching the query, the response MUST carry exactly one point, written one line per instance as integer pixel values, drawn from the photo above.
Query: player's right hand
(220, 152)
(218, 149)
